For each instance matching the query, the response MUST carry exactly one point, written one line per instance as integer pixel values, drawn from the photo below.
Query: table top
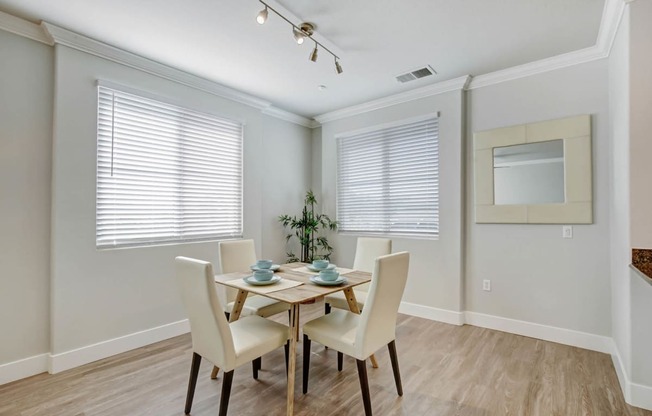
(305, 293)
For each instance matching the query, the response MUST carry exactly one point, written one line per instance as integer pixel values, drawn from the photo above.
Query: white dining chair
(366, 252)
(359, 336)
(226, 345)
(239, 256)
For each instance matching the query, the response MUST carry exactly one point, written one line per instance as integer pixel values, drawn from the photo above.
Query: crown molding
(82, 43)
(611, 16)
(403, 97)
(288, 116)
(537, 67)
(22, 27)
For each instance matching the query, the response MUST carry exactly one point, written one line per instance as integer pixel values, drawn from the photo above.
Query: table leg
(353, 306)
(240, 299)
(294, 320)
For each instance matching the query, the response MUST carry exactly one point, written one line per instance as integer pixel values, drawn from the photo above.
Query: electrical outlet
(567, 231)
(486, 285)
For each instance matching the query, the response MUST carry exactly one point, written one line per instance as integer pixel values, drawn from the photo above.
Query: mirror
(529, 173)
(536, 173)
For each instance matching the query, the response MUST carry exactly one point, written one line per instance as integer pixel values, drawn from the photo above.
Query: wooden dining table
(305, 293)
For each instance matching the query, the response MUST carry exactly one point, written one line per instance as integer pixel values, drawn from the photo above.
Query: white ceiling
(376, 40)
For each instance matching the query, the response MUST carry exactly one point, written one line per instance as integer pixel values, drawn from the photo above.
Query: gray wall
(98, 295)
(536, 275)
(25, 154)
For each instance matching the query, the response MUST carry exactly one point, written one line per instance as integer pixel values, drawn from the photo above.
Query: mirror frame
(578, 205)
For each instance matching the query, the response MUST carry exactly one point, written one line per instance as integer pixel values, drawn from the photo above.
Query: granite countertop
(642, 262)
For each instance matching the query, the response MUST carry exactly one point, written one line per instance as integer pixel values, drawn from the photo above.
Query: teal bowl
(329, 275)
(263, 275)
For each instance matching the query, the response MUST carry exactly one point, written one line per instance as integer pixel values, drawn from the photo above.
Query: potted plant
(307, 228)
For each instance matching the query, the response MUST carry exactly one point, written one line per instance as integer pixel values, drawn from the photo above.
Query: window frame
(376, 128)
(182, 106)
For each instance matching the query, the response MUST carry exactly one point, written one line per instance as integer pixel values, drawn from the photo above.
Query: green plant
(306, 228)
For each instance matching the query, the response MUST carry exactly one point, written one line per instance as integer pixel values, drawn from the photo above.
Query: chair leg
(306, 362)
(226, 392)
(327, 310)
(256, 365)
(364, 386)
(340, 358)
(192, 382)
(397, 375)
(286, 347)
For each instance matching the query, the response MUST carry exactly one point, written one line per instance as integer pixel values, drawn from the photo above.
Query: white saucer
(274, 267)
(318, 281)
(314, 269)
(252, 281)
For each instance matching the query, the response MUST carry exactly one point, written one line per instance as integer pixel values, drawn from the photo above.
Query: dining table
(294, 288)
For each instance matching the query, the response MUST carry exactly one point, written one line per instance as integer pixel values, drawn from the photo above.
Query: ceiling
(376, 40)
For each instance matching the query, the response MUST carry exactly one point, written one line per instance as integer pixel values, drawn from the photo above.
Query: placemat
(281, 285)
(304, 269)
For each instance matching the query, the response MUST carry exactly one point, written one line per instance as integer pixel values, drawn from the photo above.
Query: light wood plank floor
(446, 370)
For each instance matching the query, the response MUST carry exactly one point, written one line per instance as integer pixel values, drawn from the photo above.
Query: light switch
(567, 231)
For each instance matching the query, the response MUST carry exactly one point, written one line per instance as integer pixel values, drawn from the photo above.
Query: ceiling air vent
(416, 74)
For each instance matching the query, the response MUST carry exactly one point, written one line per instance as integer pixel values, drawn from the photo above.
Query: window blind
(165, 174)
(388, 180)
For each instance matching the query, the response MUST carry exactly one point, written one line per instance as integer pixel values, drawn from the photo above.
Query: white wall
(100, 295)
(641, 300)
(620, 250)
(536, 275)
(287, 175)
(640, 197)
(25, 153)
(640, 123)
(435, 275)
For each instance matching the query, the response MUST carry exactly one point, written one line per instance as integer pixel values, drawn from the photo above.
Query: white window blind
(388, 180)
(165, 174)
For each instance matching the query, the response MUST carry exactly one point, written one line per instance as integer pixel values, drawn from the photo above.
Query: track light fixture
(313, 54)
(301, 33)
(338, 67)
(298, 36)
(262, 16)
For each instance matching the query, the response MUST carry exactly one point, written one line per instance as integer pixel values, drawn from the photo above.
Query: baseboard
(547, 333)
(621, 372)
(23, 368)
(80, 356)
(641, 396)
(434, 314)
(637, 395)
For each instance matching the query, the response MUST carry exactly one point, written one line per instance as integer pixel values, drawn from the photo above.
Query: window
(388, 180)
(165, 174)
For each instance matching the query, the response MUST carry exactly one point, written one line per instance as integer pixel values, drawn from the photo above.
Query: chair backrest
(234, 256)
(366, 252)
(378, 319)
(210, 332)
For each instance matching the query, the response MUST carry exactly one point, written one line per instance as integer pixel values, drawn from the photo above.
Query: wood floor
(446, 370)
